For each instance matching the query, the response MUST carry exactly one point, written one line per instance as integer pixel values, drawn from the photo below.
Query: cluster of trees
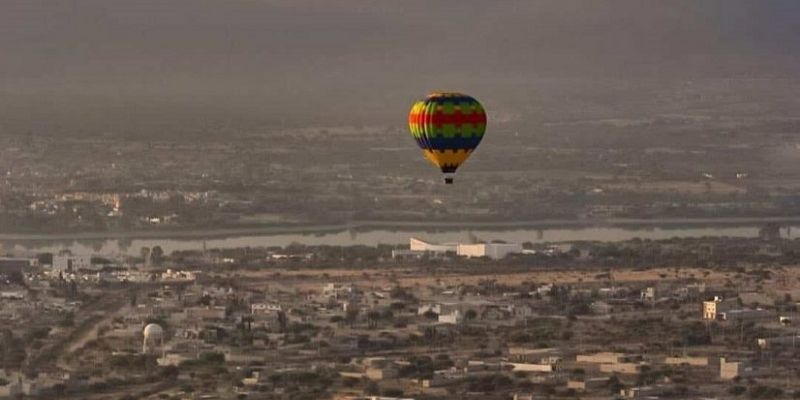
(73, 216)
(422, 367)
(541, 331)
(154, 256)
(693, 252)
(490, 383)
(304, 384)
(759, 392)
(127, 363)
(298, 254)
(705, 252)
(371, 388)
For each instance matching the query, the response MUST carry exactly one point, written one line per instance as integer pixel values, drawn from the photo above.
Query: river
(25, 245)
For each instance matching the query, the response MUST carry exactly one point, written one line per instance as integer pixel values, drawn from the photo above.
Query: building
(710, 309)
(379, 368)
(257, 378)
(622, 368)
(407, 254)
(444, 377)
(265, 308)
(12, 295)
(713, 307)
(178, 276)
(337, 290)
(686, 360)
(730, 370)
(173, 359)
(494, 251)
(607, 358)
(455, 318)
(71, 263)
(588, 384)
(423, 246)
(531, 367)
(425, 308)
(644, 392)
(648, 294)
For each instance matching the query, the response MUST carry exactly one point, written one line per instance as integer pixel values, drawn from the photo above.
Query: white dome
(153, 330)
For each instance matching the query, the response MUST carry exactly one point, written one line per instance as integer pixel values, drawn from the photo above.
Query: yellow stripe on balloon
(442, 158)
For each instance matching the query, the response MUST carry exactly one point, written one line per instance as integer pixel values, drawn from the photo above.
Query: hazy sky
(325, 58)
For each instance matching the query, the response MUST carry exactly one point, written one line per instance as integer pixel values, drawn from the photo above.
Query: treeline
(637, 253)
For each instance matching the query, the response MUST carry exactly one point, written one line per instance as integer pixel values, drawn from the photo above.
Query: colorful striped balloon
(447, 127)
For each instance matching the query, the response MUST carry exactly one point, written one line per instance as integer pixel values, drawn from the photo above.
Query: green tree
(351, 316)
(144, 252)
(156, 255)
(372, 389)
(372, 318)
(470, 315)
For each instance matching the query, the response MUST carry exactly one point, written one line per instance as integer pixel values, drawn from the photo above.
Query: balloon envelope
(447, 127)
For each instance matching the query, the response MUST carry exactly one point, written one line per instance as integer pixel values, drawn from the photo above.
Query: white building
(437, 308)
(183, 276)
(419, 245)
(71, 263)
(454, 318)
(265, 308)
(12, 295)
(531, 367)
(494, 251)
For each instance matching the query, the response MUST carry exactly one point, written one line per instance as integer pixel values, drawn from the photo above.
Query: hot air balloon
(447, 127)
